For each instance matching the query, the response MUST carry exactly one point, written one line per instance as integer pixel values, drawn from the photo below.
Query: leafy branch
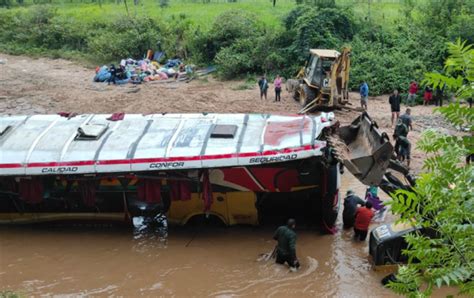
(442, 202)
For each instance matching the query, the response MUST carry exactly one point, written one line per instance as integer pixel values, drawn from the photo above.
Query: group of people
(357, 214)
(263, 86)
(412, 91)
(410, 100)
(404, 124)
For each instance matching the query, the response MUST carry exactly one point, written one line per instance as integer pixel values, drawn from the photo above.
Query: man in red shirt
(412, 93)
(362, 220)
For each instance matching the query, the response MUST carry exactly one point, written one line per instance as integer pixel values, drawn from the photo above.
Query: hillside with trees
(393, 42)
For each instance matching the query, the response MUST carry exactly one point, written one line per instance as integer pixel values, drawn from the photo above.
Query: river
(194, 261)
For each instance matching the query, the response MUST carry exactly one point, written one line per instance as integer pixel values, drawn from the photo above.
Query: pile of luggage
(145, 70)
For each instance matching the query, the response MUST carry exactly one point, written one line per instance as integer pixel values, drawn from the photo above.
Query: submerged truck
(238, 168)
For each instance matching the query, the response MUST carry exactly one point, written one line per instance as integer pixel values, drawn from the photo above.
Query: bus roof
(95, 143)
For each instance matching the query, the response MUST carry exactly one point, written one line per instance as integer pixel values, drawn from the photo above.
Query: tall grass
(203, 14)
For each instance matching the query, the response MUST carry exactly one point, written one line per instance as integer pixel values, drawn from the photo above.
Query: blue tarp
(102, 75)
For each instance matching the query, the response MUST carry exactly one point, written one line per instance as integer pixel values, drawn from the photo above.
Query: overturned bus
(239, 168)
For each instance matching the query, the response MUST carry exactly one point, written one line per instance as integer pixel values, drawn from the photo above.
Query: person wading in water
(350, 207)
(286, 247)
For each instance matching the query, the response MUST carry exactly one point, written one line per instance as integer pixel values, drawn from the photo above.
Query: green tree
(443, 199)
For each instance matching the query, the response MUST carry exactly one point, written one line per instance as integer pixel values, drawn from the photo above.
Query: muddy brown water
(205, 261)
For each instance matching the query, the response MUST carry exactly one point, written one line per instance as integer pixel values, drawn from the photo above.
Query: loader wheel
(296, 95)
(307, 94)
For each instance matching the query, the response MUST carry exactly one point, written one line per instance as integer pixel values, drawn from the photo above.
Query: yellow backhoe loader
(323, 82)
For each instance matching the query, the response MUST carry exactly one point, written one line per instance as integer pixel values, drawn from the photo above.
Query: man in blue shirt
(407, 120)
(364, 95)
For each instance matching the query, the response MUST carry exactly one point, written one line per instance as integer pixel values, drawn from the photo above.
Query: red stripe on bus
(60, 164)
(160, 159)
(11, 165)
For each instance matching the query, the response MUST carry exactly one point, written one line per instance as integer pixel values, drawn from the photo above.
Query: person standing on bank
(394, 101)
(350, 206)
(364, 95)
(428, 96)
(411, 98)
(277, 84)
(263, 85)
(286, 247)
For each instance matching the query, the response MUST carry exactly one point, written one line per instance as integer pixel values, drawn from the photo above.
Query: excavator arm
(368, 154)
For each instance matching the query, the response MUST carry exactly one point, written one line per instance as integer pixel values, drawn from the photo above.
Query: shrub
(383, 68)
(227, 28)
(236, 59)
(125, 37)
(311, 28)
(177, 35)
(164, 3)
(258, 54)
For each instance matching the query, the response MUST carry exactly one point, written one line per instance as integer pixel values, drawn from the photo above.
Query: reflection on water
(275, 277)
(191, 261)
(150, 233)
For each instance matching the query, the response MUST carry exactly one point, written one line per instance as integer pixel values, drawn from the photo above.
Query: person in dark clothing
(263, 85)
(400, 130)
(440, 95)
(404, 146)
(121, 73)
(394, 101)
(350, 206)
(362, 221)
(277, 82)
(286, 247)
(113, 74)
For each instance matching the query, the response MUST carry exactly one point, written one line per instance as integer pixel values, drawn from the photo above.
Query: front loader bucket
(364, 150)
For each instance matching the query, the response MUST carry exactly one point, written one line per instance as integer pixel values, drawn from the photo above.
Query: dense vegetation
(388, 51)
(442, 199)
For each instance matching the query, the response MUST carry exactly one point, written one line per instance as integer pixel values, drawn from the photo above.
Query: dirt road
(38, 86)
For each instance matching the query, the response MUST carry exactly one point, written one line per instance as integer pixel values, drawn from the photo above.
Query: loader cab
(318, 70)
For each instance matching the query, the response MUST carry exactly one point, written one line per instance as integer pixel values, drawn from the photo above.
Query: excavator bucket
(364, 150)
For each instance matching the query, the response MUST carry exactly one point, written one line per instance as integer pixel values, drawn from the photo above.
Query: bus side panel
(241, 208)
(232, 208)
(181, 211)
